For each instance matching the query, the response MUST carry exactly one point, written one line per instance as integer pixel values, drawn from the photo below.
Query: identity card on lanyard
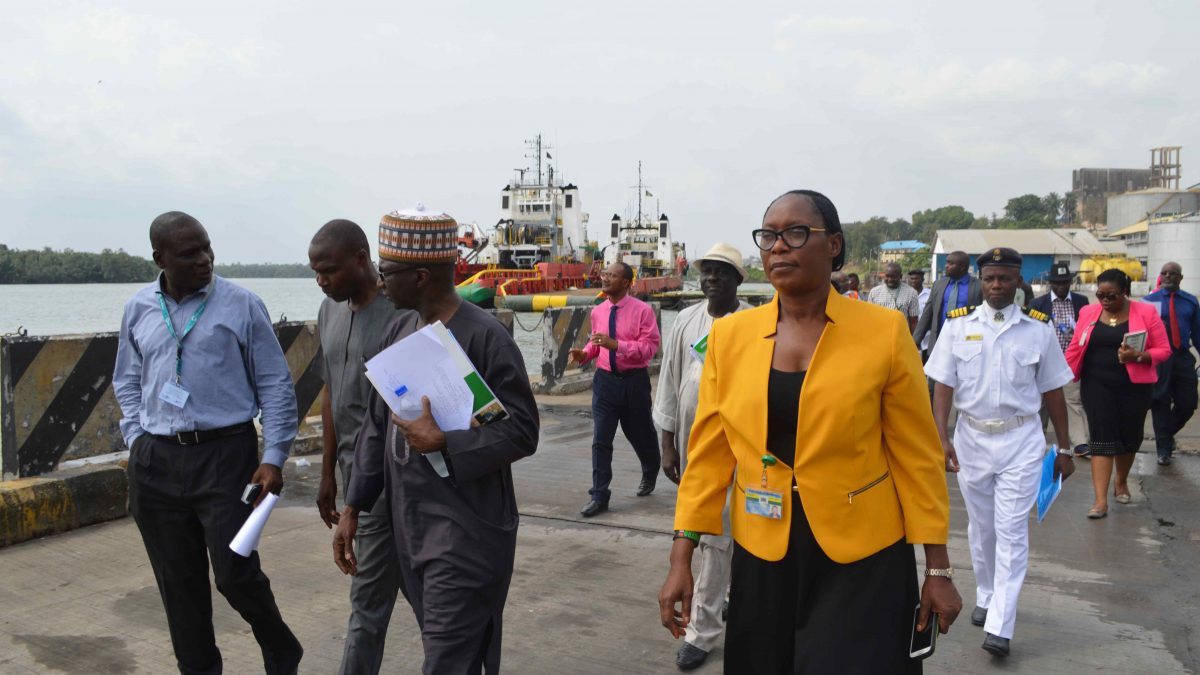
(173, 393)
(765, 502)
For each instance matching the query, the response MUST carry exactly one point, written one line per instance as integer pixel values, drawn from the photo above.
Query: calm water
(57, 309)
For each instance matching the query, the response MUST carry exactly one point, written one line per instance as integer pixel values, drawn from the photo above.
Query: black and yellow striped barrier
(57, 402)
(567, 328)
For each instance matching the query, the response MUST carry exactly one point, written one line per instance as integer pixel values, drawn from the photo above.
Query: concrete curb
(65, 500)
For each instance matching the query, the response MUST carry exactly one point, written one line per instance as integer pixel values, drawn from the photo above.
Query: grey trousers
(373, 590)
(707, 628)
(1076, 419)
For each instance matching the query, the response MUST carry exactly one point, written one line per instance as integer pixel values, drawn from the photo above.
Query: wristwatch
(1066, 451)
(947, 572)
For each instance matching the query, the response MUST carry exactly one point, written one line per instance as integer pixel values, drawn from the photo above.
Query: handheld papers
(431, 363)
(1049, 487)
(245, 541)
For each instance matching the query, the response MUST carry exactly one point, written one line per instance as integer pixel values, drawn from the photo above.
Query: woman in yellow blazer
(816, 408)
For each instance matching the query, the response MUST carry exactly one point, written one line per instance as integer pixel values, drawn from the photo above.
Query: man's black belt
(632, 372)
(206, 435)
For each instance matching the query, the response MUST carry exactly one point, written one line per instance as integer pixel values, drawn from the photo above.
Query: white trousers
(998, 476)
(708, 595)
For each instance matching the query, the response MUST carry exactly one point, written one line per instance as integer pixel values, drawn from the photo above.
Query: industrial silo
(1176, 240)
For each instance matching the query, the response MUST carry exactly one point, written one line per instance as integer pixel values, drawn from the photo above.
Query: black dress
(806, 613)
(1115, 407)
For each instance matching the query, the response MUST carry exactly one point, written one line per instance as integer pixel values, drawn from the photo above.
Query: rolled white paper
(246, 540)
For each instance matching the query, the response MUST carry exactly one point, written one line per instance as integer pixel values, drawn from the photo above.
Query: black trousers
(186, 501)
(808, 614)
(1175, 399)
(623, 399)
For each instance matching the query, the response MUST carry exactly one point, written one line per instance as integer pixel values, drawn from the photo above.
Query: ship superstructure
(542, 220)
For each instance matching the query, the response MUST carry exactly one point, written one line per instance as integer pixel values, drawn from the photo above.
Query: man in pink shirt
(625, 337)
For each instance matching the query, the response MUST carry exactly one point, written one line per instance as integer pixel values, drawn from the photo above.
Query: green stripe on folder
(479, 390)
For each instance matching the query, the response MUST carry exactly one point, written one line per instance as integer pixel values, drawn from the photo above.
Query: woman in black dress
(1115, 404)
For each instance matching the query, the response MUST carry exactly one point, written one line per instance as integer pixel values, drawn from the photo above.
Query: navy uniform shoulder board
(1036, 315)
(960, 312)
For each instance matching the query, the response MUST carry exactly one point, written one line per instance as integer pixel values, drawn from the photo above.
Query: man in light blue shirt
(197, 360)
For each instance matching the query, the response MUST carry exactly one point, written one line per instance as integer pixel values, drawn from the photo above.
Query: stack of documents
(431, 363)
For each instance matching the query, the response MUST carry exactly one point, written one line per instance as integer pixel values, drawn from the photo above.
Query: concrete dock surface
(1116, 595)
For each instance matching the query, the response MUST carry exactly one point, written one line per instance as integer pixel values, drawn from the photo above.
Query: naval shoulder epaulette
(960, 312)
(1036, 315)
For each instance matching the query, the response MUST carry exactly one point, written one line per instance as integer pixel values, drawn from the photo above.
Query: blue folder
(1050, 486)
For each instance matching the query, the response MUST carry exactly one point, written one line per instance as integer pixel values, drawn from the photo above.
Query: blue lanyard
(191, 323)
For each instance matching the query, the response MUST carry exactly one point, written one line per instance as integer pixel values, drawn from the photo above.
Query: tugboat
(644, 243)
(539, 244)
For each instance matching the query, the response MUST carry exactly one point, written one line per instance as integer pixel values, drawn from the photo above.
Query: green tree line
(47, 266)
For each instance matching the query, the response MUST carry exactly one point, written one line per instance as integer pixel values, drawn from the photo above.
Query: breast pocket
(967, 359)
(1022, 364)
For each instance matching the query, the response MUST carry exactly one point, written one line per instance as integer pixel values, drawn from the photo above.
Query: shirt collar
(158, 287)
(620, 303)
(1054, 296)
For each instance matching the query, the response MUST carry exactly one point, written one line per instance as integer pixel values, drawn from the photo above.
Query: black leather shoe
(690, 657)
(979, 616)
(592, 508)
(995, 645)
(1164, 460)
(645, 487)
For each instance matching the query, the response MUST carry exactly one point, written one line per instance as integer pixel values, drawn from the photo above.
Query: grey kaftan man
(348, 340)
(674, 411)
(456, 537)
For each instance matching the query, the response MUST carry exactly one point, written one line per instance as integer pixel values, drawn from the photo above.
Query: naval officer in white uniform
(997, 363)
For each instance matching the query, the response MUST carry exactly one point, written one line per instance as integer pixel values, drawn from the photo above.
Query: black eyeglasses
(794, 237)
(1107, 296)
(383, 276)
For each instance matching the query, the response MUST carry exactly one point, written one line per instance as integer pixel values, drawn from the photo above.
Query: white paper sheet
(245, 541)
(423, 364)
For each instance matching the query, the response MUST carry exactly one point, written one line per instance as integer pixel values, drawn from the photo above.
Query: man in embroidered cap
(998, 364)
(721, 273)
(455, 527)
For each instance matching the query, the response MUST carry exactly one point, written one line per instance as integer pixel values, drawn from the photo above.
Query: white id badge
(764, 503)
(173, 394)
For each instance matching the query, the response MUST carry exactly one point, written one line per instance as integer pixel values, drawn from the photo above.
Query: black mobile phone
(923, 642)
(251, 493)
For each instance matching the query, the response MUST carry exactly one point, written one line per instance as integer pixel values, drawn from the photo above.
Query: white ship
(542, 220)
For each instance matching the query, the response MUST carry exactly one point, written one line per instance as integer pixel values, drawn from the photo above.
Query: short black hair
(1118, 277)
(164, 225)
(853, 275)
(918, 272)
(628, 270)
(345, 235)
(829, 215)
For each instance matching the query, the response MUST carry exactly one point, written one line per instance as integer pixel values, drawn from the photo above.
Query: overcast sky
(265, 119)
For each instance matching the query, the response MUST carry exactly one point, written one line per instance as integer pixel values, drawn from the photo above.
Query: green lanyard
(191, 323)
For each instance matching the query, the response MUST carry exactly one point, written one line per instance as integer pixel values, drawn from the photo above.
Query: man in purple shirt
(625, 337)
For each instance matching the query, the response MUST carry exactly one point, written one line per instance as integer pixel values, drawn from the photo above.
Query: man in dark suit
(966, 291)
(1062, 306)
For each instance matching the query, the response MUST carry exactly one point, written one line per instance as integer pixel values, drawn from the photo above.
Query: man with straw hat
(721, 273)
(455, 528)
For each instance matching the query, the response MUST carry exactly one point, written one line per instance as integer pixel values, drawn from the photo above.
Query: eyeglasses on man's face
(795, 236)
(383, 276)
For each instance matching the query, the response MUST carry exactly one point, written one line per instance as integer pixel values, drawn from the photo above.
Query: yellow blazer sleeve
(710, 459)
(911, 445)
